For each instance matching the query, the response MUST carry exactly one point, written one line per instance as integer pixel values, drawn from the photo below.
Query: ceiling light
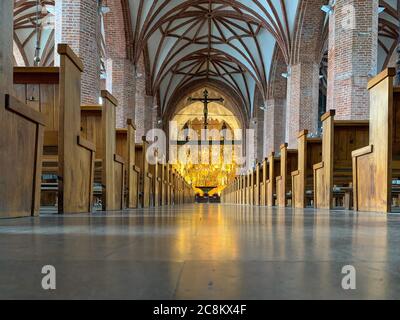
(381, 9)
(321, 76)
(286, 75)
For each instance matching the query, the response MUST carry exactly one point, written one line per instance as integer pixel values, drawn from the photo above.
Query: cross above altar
(206, 100)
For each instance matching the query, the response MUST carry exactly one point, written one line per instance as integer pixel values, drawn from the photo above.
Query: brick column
(121, 83)
(353, 45)
(274, 124)
(303, 69)
(275, 106)
(144, 116)
(303, 99)
(77, 24)
(6, 46)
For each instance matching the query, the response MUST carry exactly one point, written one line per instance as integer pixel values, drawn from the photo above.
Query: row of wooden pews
(353, 165)
(72, 158)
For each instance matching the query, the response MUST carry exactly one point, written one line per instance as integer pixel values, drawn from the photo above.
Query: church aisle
(202, 252)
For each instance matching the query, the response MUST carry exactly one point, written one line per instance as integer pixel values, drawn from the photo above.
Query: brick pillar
(77, 24)
(353, 45)
(144, 116)
(303, 98)
(6, 45)
(120, 80)
(121, 83)
(274, 124)
(304, 62)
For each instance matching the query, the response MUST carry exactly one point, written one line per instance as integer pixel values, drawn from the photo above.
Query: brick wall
(77, 24)
(353, 43)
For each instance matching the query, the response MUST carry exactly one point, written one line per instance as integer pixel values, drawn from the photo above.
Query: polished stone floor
(202, 252)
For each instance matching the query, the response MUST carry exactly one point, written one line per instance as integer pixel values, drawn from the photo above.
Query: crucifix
(206, 100)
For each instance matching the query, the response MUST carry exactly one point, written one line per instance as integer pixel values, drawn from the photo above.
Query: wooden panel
(21, 141)
(76, 163)
(310, 153)
(274, 172)
(340, 138)
(126, 149)
(145, 176)
(98, 124)
(257, 185)
(373, 165)
(288, 162)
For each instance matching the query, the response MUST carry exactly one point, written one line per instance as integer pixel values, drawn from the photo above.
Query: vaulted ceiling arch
(388, 31)
(34, 32)
(227, 40)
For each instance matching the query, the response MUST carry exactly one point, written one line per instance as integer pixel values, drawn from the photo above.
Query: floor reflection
(203, 252)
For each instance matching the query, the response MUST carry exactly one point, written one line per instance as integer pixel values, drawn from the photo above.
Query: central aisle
(202, 252)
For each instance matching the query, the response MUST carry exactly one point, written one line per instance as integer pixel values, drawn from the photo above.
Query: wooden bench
(156, 171)
(256, 185)
(310, 153)
(333, 176)
(21, 143)
(376, 167)
(146, 178)
(289, 162)
(169, 184)
(98, 125)
(68, 158)
(264, 173)
(274, 171)
(125, 147)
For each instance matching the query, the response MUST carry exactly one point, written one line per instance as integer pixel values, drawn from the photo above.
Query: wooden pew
(125, 147)
(98, 125)
(164, 183)
(256, 185)
(333, 176)
(310, 153)
(264, 172)
(169, 184)
(274, 164)
(376, 167)
(289, 162)
(156, 172)
(146, 178)
(68, 158)
(250, 182)
(242, 189)
(21, 143)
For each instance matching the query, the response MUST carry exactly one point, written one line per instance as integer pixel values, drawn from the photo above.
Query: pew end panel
(21, 143)
(373, 165)
(76, 154)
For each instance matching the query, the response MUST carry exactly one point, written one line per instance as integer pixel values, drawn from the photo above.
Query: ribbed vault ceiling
(388, 31)
(226, 40)
(33, 22)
